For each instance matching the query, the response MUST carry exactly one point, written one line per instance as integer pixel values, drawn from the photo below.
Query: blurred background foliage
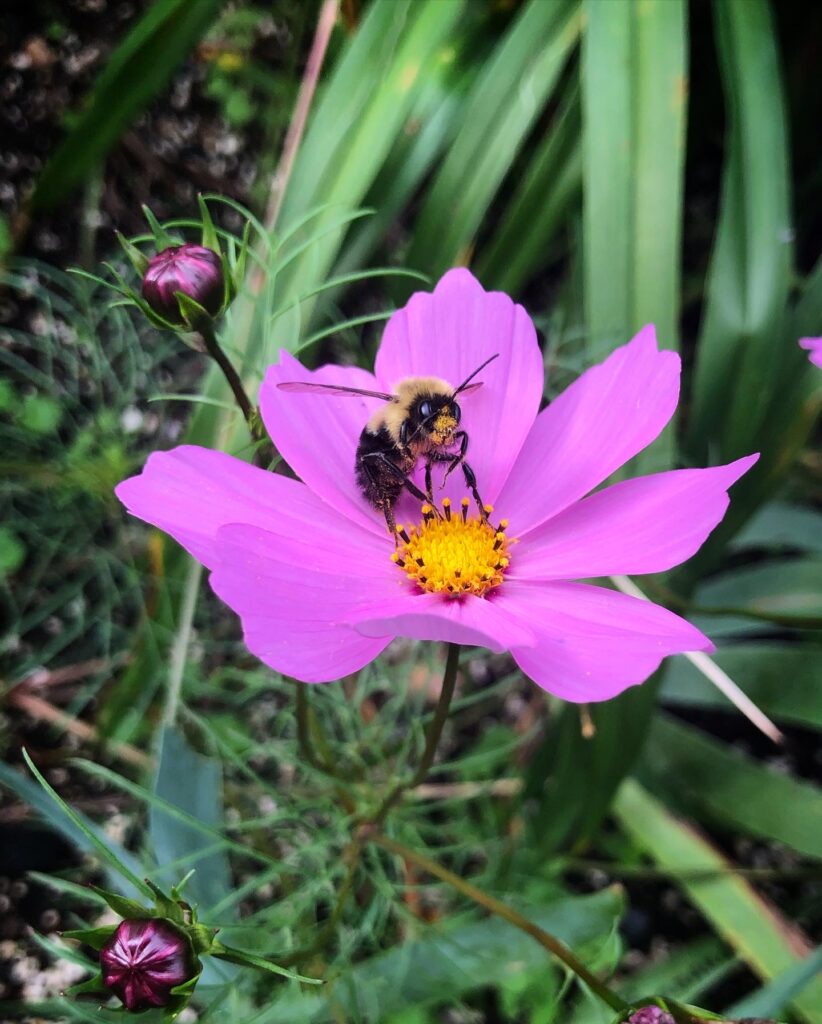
(608, 164)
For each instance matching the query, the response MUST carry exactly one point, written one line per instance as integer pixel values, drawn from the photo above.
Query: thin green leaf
(239, 956)
(633, 98)
(749, 923)
(740, 343)
(137, 71)
(75, 826)
(506, 100)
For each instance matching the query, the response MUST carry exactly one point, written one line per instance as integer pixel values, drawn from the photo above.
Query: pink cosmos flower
(814, 346)
(309, 568)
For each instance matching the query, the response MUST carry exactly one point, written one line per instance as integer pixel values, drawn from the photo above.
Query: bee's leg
(467, 472)
(428, 484)
(374, 463)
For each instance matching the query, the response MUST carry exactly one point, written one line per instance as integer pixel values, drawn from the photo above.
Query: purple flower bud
(191, 269)
(144, 960)
(651, 1015)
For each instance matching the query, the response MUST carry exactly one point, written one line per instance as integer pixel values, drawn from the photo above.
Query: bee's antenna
(471, 376)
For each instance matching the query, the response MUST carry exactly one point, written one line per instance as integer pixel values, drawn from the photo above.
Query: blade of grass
(749, 275)
(137, 71)
(767, 942)
(508, 96)
(634, 90)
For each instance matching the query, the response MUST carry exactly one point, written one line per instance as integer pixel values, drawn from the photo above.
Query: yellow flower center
(454, 553)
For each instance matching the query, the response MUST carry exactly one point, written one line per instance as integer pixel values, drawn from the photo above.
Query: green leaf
(779, 678)
(741, 343)
(193, 783)
(162, 239)
(123, 906)
(541, 197)
(725, 787)
(508, 97)
(634, 88)
(364, 108)
(779, 525)
(12, 551)
(138, 259)
(94, 937)
(239, 956)
(70, 823)
(780, 587)
(771, 999)
(137, 71)
(571, 779)
(750, 924)
(40, 414)
(448, 961)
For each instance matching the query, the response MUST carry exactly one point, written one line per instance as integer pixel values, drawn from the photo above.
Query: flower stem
(554, 946)
(432, 737)
(303, 728)
(206, 329)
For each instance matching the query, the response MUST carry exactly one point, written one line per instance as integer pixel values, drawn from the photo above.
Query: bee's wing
(332, 389)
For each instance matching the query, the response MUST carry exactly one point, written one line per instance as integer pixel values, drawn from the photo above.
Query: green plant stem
(353, 850)
(179, 648)
(214, 349)
(303, 728)
(554, 946)
(432, 737)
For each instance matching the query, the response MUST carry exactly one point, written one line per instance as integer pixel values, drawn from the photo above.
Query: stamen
(453, 556)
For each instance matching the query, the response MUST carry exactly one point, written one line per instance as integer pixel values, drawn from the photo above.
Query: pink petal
(470, 620)
(317, 435)
(191, 492)
(593, 643)
(448, 334)
(610, 413)
(814, 346)
(295, 615)
(648, 524)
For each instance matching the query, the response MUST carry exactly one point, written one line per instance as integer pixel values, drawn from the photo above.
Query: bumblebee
(419, 420)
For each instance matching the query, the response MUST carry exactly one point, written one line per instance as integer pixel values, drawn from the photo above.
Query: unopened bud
(191, 269)
(144, 960)
(650, 1015)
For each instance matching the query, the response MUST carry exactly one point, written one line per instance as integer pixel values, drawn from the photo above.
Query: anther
(419, 561)
(488, 509)
(427, 511)
(465, 503)
(499, 538)
(402, 533)
(503, 524)
(446, 506)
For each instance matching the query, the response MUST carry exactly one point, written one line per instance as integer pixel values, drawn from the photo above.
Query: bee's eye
(456, 411)
(426, 410)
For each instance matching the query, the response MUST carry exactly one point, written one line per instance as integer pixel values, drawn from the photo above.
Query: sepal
(94, 937)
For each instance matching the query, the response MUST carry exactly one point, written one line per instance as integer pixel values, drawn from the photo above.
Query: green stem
(303, 729)
(212, 345)
(353, 851)
(554, 946)
(432, 737)
(179, 649)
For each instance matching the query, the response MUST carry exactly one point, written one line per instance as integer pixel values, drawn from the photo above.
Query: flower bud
(650, 1015)
(144, 960)
(191, 269)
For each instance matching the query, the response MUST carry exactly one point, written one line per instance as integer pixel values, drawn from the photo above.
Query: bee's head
(434, 419)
